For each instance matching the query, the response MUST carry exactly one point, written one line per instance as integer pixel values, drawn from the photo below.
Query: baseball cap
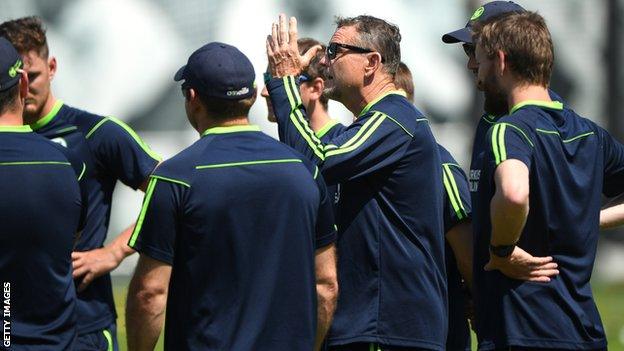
(10, 62)
(485, 12)
(219, 70)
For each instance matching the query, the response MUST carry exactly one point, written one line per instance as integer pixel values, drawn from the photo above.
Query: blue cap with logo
(219, 70)
(10, 63)
(483, 13)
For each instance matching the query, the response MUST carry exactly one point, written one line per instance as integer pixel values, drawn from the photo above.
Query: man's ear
(318, 85)
(23, 84)
(52, 66)
(499, 62)
(373, 64)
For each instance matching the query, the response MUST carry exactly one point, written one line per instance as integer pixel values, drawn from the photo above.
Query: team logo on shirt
(473, 177)
(60, 141)
(337, 194)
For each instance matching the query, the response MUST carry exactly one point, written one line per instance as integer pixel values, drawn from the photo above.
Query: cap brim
(463, 35)
(179, 74)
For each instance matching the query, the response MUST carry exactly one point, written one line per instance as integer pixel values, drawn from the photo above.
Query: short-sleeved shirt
(479, 145)
(40, 212)
(457, 208)
(571, 162)
(325, 134)
(391, 242)
(112, 151)
(238, 215)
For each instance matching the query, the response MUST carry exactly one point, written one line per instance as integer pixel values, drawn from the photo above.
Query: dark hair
(403, 80)
(224, 109)
(526, 42)
(315, 69)
(26, 34)
(379, 35)
(8, 98)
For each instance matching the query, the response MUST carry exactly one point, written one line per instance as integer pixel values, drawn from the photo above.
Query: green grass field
(610, 300)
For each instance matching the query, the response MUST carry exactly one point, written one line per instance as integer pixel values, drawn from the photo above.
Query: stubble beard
(495, 100)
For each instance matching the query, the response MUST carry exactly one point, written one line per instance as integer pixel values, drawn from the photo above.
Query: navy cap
(219, 70)
(10, 62)
(483, 13)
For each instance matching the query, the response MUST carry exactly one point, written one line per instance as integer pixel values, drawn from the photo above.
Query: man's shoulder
(84, 120)
(445, 156)
(398, 111)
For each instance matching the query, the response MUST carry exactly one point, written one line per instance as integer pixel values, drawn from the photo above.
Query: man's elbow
(516, 196)
(327, 291)
(148, 296)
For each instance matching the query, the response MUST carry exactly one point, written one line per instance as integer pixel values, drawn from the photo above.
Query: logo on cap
(478, 12)
(243, 91)
(14, 68)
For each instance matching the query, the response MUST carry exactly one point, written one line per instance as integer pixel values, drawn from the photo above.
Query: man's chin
(31, 114)
(332, 93)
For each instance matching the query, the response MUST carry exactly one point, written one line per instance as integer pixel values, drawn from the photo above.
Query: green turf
(610, 300)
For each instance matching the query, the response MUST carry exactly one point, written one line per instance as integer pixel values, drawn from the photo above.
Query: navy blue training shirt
(391, 242)
(571, 162)
(112, 151)
(332, 129)
(479, 146)
(238, 215)
(40, 212)
(457, 208)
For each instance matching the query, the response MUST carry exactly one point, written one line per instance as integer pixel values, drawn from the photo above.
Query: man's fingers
(80, 271)
(269, 46)
(292, 31)
(85, 282)
(551, 265)
(274, 36)
(544, 272)
(540, 279)
(283, 30)
(309, 55)
(76, 255)
(538, 261)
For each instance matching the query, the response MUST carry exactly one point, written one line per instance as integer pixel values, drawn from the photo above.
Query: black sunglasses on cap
(469, 49)
(332, 50)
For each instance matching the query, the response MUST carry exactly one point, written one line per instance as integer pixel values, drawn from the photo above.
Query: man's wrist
(502, 251)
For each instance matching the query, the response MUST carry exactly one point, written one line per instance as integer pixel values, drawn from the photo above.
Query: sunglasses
(185, 91)
(300, 78)
(332, 49)
(469, 49)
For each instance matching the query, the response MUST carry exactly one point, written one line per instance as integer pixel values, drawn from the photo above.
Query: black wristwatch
(502, 250)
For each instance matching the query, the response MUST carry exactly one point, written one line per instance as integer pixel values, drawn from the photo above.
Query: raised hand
(283, 51)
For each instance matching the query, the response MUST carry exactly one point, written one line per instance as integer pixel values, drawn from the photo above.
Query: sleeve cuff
(326, 239)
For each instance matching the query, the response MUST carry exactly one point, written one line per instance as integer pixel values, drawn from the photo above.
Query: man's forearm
(327, 296)
(509, 207)
(612, 215)
(459, 238)
(145, 314)
(508, 219)
(119, 246)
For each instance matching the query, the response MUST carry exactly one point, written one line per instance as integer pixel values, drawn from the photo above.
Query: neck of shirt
(553, 105)
(43, 121)
(377, 99)
(232, 129)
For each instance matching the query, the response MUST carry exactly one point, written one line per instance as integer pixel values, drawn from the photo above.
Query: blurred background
(118, 57)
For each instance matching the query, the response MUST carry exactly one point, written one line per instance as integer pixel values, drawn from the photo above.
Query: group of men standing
(359, 237)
